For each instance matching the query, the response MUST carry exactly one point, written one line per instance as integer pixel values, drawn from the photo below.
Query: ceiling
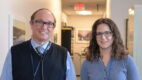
(98, 7)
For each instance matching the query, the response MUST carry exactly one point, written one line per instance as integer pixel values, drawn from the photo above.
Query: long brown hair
(118, 50)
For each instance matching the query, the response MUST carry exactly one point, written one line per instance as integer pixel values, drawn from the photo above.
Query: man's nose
(44, 26)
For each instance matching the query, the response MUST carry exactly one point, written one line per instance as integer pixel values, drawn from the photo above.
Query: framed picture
(83, 35)
(126, 39)
(18, 31)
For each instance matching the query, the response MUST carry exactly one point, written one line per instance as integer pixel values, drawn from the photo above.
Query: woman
(106, 57)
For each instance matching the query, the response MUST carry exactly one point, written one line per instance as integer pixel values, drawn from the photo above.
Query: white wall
(64, 19)
(4, 10)
(22, 10)
(119, 13)
(137, 51)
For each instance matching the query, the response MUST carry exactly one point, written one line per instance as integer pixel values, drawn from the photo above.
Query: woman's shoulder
(87, 62)
(129, 60)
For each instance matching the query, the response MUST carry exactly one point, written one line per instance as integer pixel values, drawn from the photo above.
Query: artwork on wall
(83, 35)
(18, 31)
(126, 39)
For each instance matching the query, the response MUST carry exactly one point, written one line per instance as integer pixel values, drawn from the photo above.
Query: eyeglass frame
(41, 23)
(106, 34)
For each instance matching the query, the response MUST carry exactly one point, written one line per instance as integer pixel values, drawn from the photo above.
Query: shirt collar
(34, 44)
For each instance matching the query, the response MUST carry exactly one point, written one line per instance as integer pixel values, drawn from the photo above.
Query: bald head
(39, 10)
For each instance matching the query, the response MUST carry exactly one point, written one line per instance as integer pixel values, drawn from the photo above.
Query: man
(38, 58)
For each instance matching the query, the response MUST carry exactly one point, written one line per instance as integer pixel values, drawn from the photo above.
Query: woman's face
(104, 36)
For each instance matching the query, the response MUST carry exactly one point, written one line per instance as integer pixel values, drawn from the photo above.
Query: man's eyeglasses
(41, 23)
(106, 34)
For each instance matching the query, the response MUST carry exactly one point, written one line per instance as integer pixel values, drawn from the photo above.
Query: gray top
(124, 69)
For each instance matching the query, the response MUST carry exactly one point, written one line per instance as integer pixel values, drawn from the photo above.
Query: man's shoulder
(58, 47)
(21, 45)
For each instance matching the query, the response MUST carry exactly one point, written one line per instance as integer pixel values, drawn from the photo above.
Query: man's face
(42, 26)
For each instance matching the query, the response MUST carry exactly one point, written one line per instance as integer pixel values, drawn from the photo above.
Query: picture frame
(83, 35)
(19, 31)
(126, 39)
(16, 30)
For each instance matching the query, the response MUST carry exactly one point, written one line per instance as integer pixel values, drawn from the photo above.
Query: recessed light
(84, 12)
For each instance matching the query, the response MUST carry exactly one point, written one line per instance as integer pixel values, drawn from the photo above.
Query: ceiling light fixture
(84, 12)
